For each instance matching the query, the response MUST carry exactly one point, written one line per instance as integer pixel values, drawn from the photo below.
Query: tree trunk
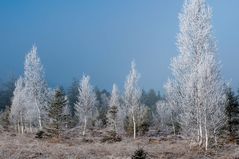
(18, 126)
(39, 115)
(206, 142)
(206, 133)
(215, 136)
(30, 126)
(200, 118)
(198, 130)
(200, 133)
(134, 122)
(84, 129)
(22, 129)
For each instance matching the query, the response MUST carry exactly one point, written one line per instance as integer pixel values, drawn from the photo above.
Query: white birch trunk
(215, 136)
(22, 129)
(200, 132)
(84, 129)
(134, 122)
(206, 133)
(39, 115)
(30, 126)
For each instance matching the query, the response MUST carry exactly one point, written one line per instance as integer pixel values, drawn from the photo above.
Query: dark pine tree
(6, 93)
(72, 95)
(150, 99)
(232, 112)
(58, 104)
(102, 97)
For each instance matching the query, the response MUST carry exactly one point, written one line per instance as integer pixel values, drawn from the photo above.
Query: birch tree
(132, 95)
(18, 106)
(35, 85)
(86, 101)
(197, 86)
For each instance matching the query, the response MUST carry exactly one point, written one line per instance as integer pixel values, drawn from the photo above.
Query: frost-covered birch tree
(197, 86)
(132, 96)
(35, 85)
(30, 95)
(86, 101)
(18, 106)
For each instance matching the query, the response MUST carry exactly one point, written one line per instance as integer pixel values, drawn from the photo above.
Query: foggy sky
(101, 37)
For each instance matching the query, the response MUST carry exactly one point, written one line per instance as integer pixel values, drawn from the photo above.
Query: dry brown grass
(26, 146)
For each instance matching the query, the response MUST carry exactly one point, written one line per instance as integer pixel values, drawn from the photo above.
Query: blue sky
(101, 37)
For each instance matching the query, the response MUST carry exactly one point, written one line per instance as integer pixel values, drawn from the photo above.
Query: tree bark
(18, 126)
(39, 115)
(206, 133)
(22, 129)
(215, 136)
(200, 132)
(134, 122)
(85, 121)
(30, 126)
